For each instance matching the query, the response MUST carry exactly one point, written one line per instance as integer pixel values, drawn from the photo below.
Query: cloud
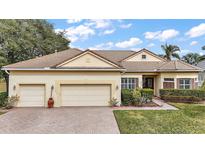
(100, 23)
(167, 34)
(152, 35)
(162, 35)
(151, 45)
(196, 31)
(71, 21)
(193, 43)
(58, 30)
(77, 33)
(107, 32)
(136, 49)
(125, 26)
(129, 43)
(103, 46)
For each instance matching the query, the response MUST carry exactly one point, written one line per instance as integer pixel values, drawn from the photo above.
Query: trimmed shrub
(125, 103)
(147, 93)
(183, 92)
(181, 99)
(3, 97)
(137, 96)
(127, 97)
(11, 101)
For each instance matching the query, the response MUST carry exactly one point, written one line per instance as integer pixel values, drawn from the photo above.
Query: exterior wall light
(52, 87)
(14, 87)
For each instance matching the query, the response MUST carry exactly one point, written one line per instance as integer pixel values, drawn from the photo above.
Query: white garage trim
(85, 94)
(31, 95)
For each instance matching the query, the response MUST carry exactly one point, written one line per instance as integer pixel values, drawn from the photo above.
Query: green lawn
(189, 119)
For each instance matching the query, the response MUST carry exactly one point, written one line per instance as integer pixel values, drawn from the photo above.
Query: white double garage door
(71, 95)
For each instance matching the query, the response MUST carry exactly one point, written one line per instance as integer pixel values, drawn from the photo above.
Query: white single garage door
(32, 96)
(85, 95)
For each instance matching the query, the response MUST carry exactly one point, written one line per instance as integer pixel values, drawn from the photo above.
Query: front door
(148, 83)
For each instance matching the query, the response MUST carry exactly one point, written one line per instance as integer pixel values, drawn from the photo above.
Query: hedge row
(149, 93)
(3, 96)
(183, 92)
(181, 99)
(182, 95)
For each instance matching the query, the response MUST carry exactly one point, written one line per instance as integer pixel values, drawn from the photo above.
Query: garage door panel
(86, 100)
(32, 95)
(32, 99)
(85, 95)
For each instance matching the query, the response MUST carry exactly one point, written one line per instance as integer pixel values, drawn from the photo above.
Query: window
(144, 57)
(201, 79)
(168, 79)
(184, 83)
(129, 83)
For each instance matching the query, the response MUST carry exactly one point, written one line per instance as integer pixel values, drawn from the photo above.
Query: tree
(203, 48)
(170, 51)
(26, 38)
(193, 58)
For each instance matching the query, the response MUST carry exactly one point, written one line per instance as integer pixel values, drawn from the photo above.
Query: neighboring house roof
(116, 57)
(201, 64)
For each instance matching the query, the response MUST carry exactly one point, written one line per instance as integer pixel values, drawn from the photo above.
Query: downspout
(7, 82)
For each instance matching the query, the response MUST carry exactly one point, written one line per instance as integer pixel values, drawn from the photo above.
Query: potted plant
(50, 100)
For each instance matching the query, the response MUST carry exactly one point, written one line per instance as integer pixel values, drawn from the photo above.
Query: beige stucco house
(92, 77)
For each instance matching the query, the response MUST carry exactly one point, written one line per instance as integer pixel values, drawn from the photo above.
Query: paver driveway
(81, 120)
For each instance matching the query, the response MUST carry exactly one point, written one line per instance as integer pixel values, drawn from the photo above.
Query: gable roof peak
(144, 50)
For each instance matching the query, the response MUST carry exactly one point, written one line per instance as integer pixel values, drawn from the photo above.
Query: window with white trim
(129, 83)
(168, 79)
(185, 83)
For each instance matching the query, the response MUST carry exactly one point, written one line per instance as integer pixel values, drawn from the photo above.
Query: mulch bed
(148, 105)
(144, 105)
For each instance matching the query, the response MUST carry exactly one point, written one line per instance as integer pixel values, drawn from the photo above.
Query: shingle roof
(115, 56)
(202, 64)
(177, 65)
(140, 66)
(147, 51)
(46, 61)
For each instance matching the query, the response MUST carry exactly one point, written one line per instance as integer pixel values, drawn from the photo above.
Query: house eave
(160, 71)
(62, 69)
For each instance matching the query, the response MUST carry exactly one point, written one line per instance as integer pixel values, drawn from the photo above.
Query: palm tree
(193, 58)
(170, 51)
